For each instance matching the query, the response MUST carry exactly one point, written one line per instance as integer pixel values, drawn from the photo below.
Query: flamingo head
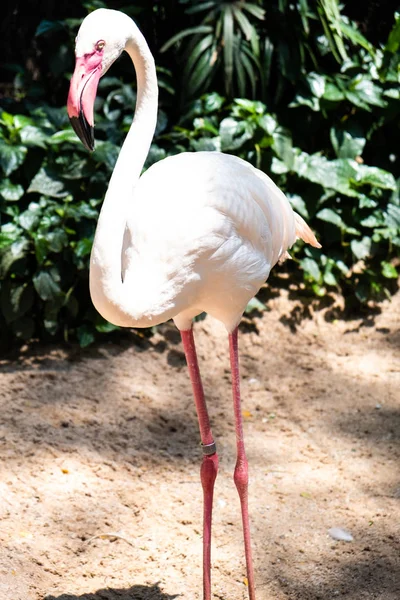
(102, 37)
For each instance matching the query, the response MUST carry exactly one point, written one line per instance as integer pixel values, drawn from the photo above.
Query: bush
(328, 136)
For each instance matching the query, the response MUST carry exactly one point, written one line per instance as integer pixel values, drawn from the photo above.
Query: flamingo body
(202, 235)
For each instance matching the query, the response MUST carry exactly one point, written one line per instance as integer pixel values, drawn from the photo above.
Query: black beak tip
(83, 130)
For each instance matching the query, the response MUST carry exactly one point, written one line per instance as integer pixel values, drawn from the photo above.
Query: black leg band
(209, 449)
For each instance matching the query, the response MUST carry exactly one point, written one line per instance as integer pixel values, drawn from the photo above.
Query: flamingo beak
(81, 97)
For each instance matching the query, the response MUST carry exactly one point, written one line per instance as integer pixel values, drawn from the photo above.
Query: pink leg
(241, 477)
(209, 467)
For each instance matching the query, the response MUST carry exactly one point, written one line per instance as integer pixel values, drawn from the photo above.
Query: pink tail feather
(304, 232)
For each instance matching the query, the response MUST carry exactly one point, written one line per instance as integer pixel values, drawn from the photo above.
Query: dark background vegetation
(308, 91)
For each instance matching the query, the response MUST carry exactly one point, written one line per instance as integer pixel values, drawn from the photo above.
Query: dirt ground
(99, 487)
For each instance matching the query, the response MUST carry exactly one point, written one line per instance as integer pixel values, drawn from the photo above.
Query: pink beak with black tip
(81, 97)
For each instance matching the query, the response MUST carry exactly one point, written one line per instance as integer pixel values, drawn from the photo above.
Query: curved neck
(106, 284)
(137, 143)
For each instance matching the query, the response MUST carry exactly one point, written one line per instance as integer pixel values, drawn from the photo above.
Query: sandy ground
(99, 486)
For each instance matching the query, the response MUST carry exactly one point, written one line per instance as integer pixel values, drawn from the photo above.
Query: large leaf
(347, 144)
(47, 183)
(65, 136)
(393, 43)
(10, 191)
(33, 136)
(46, 286)
(311, 267)
(330, 216)
(234, 133)
(388, 270)
(12, 254)
(16, 300)
(373, 176)
(106, 153)
(333, 174)
(11, 157)
(366, 91)
(30, 218)
(182, 34)
(361, 248)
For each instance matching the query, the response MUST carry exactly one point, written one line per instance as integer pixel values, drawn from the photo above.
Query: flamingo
(196, 232)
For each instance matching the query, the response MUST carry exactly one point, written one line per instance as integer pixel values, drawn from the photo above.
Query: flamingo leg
(209, 466)
(241, 477)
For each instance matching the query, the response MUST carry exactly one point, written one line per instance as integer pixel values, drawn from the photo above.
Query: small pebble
(340, 534)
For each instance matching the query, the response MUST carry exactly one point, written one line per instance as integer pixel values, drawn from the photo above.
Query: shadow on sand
(136, 592)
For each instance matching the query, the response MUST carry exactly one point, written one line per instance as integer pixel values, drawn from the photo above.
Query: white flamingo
(196, 232)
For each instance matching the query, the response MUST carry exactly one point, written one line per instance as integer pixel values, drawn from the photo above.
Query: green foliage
(226, 39)
(327, 132)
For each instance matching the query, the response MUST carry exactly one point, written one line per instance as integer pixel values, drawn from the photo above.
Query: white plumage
(202, 234)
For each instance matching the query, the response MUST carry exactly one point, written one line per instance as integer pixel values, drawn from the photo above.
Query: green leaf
(85, 336)
(316, 84)
(190, 31)
(268, 124)
(7, 120)
(361, 248)
(234, 134)
(278, 166)
(21, 121)
(355, 36)
(46, 287)
(347, 144)
(332, 93)
(57, 240)
(330, 216)
(106, 153)
(11, 157)
(254, 305)
(298, 204)
(310, 266)
(30, 218)
(255, 10)
(83, 247)
(388, 270)
(329, 278)
(367, 92)
(11, 254)
(373, 176)
(212, 103)
(372, 221)
(33, 136)
(392, 216)
(283, 146)
(41, 248)
(333, 174)
(305, 100)
(106, 327)
(393, 42)
(47, 183)
(16, 300)
(10, 191)
(228, 36)
(65, 136)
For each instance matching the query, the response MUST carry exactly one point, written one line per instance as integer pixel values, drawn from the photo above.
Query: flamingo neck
(136, 147)
(106, 285)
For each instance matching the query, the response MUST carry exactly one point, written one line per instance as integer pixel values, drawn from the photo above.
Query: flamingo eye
(100, 45)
